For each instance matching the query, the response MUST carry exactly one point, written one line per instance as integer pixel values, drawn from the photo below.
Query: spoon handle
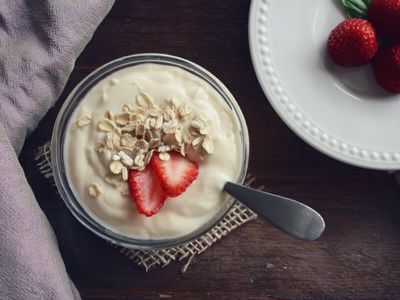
(291, 216)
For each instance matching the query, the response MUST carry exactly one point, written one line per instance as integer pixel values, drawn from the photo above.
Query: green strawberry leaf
(356, 8)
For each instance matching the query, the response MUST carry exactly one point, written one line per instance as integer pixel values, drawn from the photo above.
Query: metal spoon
(293, 217)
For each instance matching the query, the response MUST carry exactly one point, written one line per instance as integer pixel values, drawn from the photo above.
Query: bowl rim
(62, 121)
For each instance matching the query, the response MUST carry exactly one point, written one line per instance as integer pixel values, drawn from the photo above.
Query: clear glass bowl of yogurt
(80, 171)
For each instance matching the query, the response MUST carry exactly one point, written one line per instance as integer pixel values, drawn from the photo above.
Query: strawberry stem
(356, 8)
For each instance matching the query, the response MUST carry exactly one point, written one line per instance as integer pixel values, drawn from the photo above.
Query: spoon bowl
(291, 216)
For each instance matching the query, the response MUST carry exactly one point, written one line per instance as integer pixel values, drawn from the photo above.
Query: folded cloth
(39, 42)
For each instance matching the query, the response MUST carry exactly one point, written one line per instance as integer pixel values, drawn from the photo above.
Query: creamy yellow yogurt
(85, 166)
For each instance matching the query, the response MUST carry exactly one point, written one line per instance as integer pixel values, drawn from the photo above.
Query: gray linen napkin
(39, 42)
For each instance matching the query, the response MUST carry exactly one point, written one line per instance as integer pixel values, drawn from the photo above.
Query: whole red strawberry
(386, 66)
(385, 16)
(353, 43)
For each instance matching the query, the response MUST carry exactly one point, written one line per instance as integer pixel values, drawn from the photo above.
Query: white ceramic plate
(341, 112)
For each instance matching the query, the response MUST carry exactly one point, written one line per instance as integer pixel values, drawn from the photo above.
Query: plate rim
(289, 113)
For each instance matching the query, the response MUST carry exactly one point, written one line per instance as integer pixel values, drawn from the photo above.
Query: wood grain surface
(358, 257)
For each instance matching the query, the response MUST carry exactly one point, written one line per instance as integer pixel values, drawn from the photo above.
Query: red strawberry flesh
(146, 191)
(175, 174)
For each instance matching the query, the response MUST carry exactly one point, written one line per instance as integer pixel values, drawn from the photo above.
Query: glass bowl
(58, 137)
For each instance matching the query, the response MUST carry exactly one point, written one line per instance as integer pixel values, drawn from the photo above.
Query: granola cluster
(144, 129)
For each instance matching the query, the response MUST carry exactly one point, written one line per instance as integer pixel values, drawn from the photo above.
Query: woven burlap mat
(237, 216)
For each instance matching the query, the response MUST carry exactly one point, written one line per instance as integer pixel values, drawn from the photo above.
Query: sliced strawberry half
(146, 191)
(175, 174)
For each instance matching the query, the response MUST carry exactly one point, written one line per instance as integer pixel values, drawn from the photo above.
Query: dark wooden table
(357, 257)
